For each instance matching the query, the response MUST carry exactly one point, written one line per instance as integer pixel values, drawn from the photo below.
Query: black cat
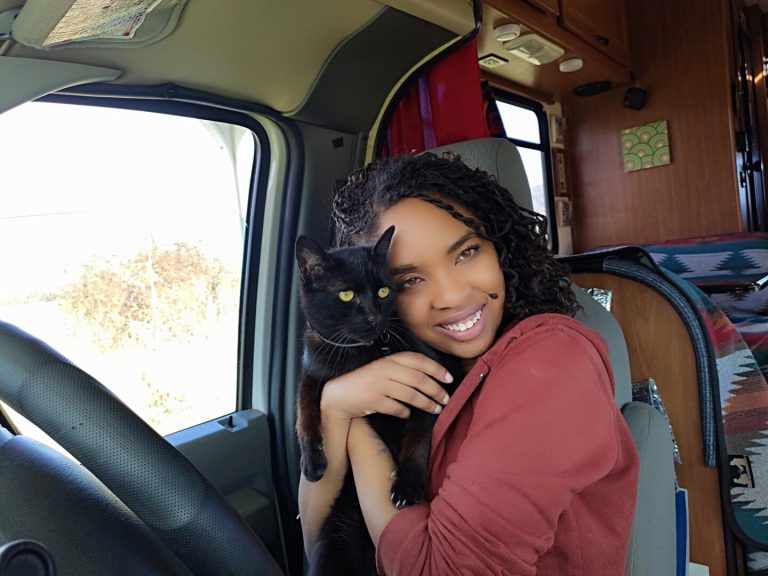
(348, 295)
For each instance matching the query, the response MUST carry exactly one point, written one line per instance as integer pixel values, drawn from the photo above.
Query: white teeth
(463, 326)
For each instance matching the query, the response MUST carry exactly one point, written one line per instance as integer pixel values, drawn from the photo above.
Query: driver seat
(652, 547)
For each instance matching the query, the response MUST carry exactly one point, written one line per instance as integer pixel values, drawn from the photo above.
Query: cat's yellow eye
(346, 295)
(383, 292)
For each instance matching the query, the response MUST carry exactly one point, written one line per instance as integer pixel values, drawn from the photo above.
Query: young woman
(532, 469)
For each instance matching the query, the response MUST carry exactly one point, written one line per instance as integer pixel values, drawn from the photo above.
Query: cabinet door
(602, 23)
(550, 6)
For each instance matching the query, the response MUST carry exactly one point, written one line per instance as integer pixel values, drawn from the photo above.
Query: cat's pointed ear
(381, 247)
(311, 259)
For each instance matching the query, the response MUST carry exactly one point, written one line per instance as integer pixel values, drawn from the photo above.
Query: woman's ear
(381, 248)
(311, 258)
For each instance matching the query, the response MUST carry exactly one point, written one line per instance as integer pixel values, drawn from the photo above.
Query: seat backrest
(652, 549)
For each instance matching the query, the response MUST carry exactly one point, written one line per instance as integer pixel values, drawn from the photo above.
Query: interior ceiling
(266, 51)
(271, 52)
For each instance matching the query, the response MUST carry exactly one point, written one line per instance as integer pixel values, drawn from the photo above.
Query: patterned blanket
(738, 327)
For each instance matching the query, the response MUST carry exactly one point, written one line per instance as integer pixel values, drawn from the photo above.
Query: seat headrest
(499, 158)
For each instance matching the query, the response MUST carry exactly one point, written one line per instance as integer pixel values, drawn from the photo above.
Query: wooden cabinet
(545, 83)
(550, 6)
(601, 23)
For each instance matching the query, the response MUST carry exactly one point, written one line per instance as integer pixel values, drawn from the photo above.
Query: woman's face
(446, 276)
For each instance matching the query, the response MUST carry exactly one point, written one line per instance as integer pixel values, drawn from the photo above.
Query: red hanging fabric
(444, 106)
(405, 131)
(492, 114)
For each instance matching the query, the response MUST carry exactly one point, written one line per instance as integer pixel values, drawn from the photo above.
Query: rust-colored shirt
(532, 468)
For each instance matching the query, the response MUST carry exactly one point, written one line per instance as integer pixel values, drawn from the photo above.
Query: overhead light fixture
(534, 49)
(506, 32)
(571, 65)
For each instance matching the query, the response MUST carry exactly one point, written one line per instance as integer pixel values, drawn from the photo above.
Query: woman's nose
(448, 291)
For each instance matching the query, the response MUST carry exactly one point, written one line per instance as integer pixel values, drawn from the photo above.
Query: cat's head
(347, 293)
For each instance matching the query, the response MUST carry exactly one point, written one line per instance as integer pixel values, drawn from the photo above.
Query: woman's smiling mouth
(465, 328)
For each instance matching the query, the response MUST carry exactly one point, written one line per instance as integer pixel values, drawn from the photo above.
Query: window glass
(522, 126)
(121, 245)
(533, 161)
(520, 123)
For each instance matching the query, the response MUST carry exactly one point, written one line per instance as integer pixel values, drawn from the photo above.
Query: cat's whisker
(327, 371)
(398, 330)
(339, 358)
(399, 339)
(328, 353)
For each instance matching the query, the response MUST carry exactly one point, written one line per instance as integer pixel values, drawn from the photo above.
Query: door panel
(234, 454)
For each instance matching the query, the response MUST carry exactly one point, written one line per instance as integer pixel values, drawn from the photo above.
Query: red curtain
(444, 106)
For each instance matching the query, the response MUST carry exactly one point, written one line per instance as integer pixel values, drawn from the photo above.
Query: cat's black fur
(344, 546)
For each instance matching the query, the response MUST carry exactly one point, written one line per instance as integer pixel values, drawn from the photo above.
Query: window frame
(544, 147)
(156, 100)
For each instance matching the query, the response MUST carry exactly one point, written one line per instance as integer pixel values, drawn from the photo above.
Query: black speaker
(592, 88)
(635, 98)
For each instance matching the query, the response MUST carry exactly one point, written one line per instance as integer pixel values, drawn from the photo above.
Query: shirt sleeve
(544, 427)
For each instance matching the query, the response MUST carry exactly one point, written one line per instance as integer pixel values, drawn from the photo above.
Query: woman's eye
(383, 292)
(409, 282)
(468, 252)
(346, 295)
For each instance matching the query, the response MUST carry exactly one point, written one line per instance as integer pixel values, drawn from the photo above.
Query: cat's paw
(405, 494)
(313, 464)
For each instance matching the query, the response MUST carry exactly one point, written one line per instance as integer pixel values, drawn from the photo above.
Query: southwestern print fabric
(738, 327)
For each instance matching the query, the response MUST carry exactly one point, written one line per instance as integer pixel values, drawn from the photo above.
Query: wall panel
(681, 53)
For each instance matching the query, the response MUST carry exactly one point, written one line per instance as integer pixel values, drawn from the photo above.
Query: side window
(525, 124)
(121, 245)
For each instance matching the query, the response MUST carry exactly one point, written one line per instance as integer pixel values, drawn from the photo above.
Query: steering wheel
(185, 525)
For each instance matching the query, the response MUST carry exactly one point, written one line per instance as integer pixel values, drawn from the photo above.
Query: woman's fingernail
(448, 377)
(438, 409)
(446, 398)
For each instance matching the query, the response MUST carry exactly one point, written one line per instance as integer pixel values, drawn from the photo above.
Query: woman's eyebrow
(404, 269)
(460, 242)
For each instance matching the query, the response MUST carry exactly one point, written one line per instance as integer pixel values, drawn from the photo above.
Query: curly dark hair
(535, 282)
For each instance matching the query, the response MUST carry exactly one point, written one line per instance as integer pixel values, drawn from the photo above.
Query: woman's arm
(374, 468)
(316, 498)
(386, 386)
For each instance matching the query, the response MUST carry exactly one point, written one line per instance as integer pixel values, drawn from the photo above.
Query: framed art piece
(646, 146)
(563, 214)
(557, 125)
(558, 165)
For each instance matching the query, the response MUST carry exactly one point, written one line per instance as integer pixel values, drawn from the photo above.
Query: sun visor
(58, 24)
(35, 78)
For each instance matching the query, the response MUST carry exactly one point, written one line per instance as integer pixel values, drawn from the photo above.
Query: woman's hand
(388, 386)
